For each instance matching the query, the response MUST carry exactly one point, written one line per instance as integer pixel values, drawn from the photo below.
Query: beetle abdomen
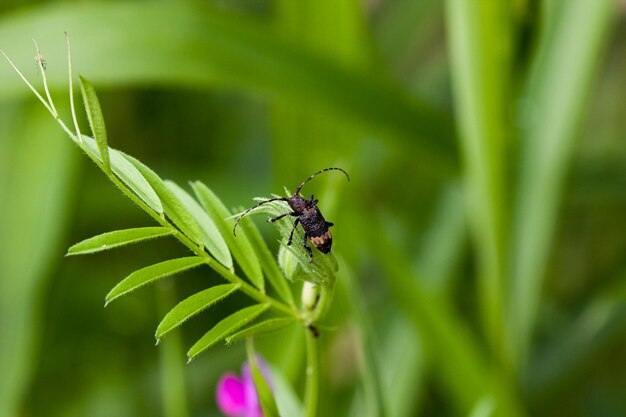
(322, 243)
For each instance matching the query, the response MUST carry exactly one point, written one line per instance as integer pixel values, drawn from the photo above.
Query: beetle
(307, 214)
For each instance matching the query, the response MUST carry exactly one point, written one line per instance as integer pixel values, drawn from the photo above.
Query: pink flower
(237, 397)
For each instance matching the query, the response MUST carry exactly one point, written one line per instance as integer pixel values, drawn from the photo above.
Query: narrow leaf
(266, 398)
(152, 273)
(211, 237)
(116, 239)
(192, 306)
(126, 172)
(174, 208)
(240, 246)
(268, 261)
(135, 180)
(226, 327)
(262, 328)
(96, 120)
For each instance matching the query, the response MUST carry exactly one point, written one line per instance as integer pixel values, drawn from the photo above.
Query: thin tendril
(55, 113)
(69, 70)
(33, 89)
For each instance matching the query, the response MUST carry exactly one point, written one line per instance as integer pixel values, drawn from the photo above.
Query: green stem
(173, 385)
(312, 375)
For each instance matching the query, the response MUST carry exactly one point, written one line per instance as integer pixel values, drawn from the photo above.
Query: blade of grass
(370, 366)
(35, 195)
(560, 80)
(479, 35)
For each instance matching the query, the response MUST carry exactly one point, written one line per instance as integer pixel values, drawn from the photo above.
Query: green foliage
(262, 388)
(116, 239)
(240, 247)
(152, 273)
(180, 215)
(261, 328)
(126, 172)
(173, 207)
(211, 237)
(192, 306)
(226, 327)
(96, 121)
(268, 261)
(487, 290)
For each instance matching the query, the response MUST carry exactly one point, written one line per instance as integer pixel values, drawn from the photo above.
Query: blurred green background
(482, 238)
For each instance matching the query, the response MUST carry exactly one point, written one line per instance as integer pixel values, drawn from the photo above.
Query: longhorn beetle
(307, 213)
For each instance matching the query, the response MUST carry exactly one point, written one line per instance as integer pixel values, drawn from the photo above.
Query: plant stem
(312, 375)
(173, 387)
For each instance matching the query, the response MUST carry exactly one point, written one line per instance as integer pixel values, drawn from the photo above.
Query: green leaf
(262, 328)
(266, 398)
(287, 399)
(226, 327)
(557, 93)
(192, 306)
(174, 208)
(212, 238)
(116, 239)
(152, 273)
(240, 246)
(268, 261)
(38, 173)
(480, 46)
(126, 172)
(96, 120)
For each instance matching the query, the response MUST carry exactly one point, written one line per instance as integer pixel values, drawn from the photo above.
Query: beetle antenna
(253, 207)
(317, 173)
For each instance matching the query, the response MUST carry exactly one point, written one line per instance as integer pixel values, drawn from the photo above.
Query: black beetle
(308, 214)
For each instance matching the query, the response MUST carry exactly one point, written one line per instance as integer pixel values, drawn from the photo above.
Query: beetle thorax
(298, 204)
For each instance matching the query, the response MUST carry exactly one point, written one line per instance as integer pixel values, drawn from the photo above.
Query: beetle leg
(309, 251)
(293, 230)
(329, 224)
(273, 219)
